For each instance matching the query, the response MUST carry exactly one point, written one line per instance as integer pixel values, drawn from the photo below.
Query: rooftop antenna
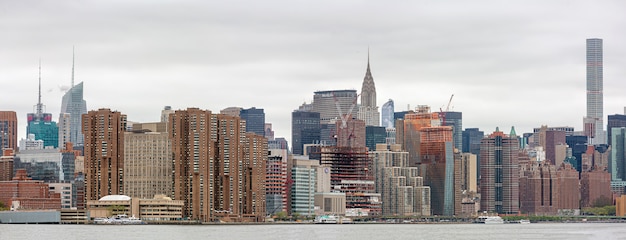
(39, 104)
(72, 66)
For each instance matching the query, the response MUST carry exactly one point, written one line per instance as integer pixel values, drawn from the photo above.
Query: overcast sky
(508, 63)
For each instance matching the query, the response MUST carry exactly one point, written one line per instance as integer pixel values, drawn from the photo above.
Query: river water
(568, 231)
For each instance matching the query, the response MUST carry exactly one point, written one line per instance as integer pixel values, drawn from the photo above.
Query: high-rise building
(499, 173)
(350, 174)
(401, 188)
(615, 121)
(147, 164)
(334, 104)
(471, 144)
(64, 126)
(538, 189)
(165, 113)
(41, 164)
(554, 139)
(305, 129)
(8, 130)
(104, 153)
(408, 131)
(255, 120)
(41, 124)
(375, 135)
(387, 115)
(595, 188)
(368, 111)
(617, 162)
(74, 104)
(304, 177)
(455, 119)
(436, 153)
(217, 166)
(593, 121)
(276, 181)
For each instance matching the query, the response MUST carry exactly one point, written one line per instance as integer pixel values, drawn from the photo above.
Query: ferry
(490, 220)
(524, 221)
(327, 219)
(120, 219)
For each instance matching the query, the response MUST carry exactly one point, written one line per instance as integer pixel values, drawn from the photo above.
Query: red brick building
(595, 188)
(29, 193)
(568, 188)
(538, 194)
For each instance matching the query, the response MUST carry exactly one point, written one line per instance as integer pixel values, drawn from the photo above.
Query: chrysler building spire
(368, 90)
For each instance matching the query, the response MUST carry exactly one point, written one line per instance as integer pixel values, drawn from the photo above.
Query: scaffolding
(350, 174)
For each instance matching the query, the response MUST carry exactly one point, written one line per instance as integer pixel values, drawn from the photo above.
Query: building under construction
(350, 174)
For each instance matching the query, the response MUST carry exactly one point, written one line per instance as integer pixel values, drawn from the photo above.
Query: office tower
(568, 190)
(615, 121)
(455, 119)
(617, 162)
(375, 135)
(276, 181)
(74, 104)
(332, 105)
(41, 124)
(368, 111)
(147, 164)
(387, 115)
(304, 177)
(351, 133)
(593, 121)
(8, 130)
(104, 153)
(499, 173)
(350, 174)
(6, 164)
(328, 134)
(538, 189)
(553, 144)
(402, 190)
(471, 144)
(278, 143)
(407, 131)
(255, 120)
(41, 164)
(436, 153)
(578, 144)
(305, 129)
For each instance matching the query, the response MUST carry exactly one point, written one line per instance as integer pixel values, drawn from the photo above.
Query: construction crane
(442, 114)
(344, 118)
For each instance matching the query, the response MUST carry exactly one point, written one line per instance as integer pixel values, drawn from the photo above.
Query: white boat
(122, 219)
(327, 219)
(524, 221)
(490, 220)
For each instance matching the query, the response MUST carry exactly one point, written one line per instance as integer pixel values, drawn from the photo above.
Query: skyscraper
(255, 120)
(436, 153)
(104, 153)
(387, 115)
(499, 173)
(332, 105)
(41, 124)
(8, 130)
(617, 163)
(74, 104)
(455, 119)
(368, 111)
(305, 129)
(614, 121)
(593, 122)
(147, 164)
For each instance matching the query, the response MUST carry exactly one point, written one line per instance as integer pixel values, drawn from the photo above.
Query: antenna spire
(72, 66)
(39, 104)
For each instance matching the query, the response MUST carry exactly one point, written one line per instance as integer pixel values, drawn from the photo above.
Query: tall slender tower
(593, 122)
(74, 104)
(368, 111)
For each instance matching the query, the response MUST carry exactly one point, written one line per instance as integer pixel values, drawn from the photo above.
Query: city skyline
(517, 64)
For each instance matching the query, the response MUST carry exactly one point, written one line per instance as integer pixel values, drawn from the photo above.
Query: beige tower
(147, 164)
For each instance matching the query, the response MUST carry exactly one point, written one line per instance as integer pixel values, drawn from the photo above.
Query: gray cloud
(508, 63)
